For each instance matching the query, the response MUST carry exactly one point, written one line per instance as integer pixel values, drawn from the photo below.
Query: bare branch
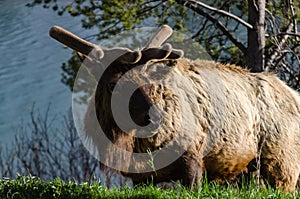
(279, 47)
(222, 12)
(217, 23)
(290, 3)
(200, 30)
(149, 2)
(150, 8)
(271, 19)
(289, 33)
(288, 70)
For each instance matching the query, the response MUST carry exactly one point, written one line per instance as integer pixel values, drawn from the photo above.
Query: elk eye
(111, 86)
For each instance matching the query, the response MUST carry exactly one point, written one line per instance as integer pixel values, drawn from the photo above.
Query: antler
(85, 48)
(75, 42)
(154, 50)
(161, 35)
(95, 55)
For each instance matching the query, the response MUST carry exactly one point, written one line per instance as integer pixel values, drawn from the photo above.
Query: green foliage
(69, 73)
(31, 187)
(111, 17)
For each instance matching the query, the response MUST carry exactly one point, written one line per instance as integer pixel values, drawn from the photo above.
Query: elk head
(108, 66)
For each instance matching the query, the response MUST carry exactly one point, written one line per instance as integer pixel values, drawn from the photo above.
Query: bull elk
(235, 117)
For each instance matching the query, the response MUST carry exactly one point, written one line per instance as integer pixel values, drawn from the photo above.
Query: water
(30, 64)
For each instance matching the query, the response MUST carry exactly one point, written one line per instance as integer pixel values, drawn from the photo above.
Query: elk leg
(280, 173)
(191, 169)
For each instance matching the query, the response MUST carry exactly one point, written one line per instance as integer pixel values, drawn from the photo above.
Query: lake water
(30, 69)
(30, 64)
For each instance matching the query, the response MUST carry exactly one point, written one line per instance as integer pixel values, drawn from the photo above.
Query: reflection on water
(30, 64)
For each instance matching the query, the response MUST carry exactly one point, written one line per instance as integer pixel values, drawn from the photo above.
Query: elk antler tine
(176, 54)
(162, 34)
(75, 42)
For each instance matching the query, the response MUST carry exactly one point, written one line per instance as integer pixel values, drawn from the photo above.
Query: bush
(41, 150)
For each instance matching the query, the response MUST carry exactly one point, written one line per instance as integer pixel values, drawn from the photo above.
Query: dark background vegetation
(259, 35)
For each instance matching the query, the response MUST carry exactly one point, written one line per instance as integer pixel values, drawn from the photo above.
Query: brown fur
(257, 113)
(237, 118)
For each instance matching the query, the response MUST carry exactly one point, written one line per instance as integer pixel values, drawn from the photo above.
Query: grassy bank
(27, 187)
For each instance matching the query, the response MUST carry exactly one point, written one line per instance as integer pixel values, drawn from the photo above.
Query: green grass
(33, 188)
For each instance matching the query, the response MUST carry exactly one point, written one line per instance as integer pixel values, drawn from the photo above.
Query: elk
(236, 118)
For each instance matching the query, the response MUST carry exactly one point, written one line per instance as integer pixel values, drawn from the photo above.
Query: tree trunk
(256, 36)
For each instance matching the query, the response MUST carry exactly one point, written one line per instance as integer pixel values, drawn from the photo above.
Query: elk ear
(153, 49)
(132, 57)
(164, 52)
(176, 54)
(156, 53)
(122, 55)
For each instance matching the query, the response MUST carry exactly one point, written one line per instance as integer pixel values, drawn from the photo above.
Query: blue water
(30, 65)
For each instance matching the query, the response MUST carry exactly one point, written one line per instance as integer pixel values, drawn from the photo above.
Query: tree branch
(290, 3)
(288, 70)
(150, 8)
(289, 33)
(216, 22)
(280, 45)
(200, 30)
(222, 12)
(271, 19)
